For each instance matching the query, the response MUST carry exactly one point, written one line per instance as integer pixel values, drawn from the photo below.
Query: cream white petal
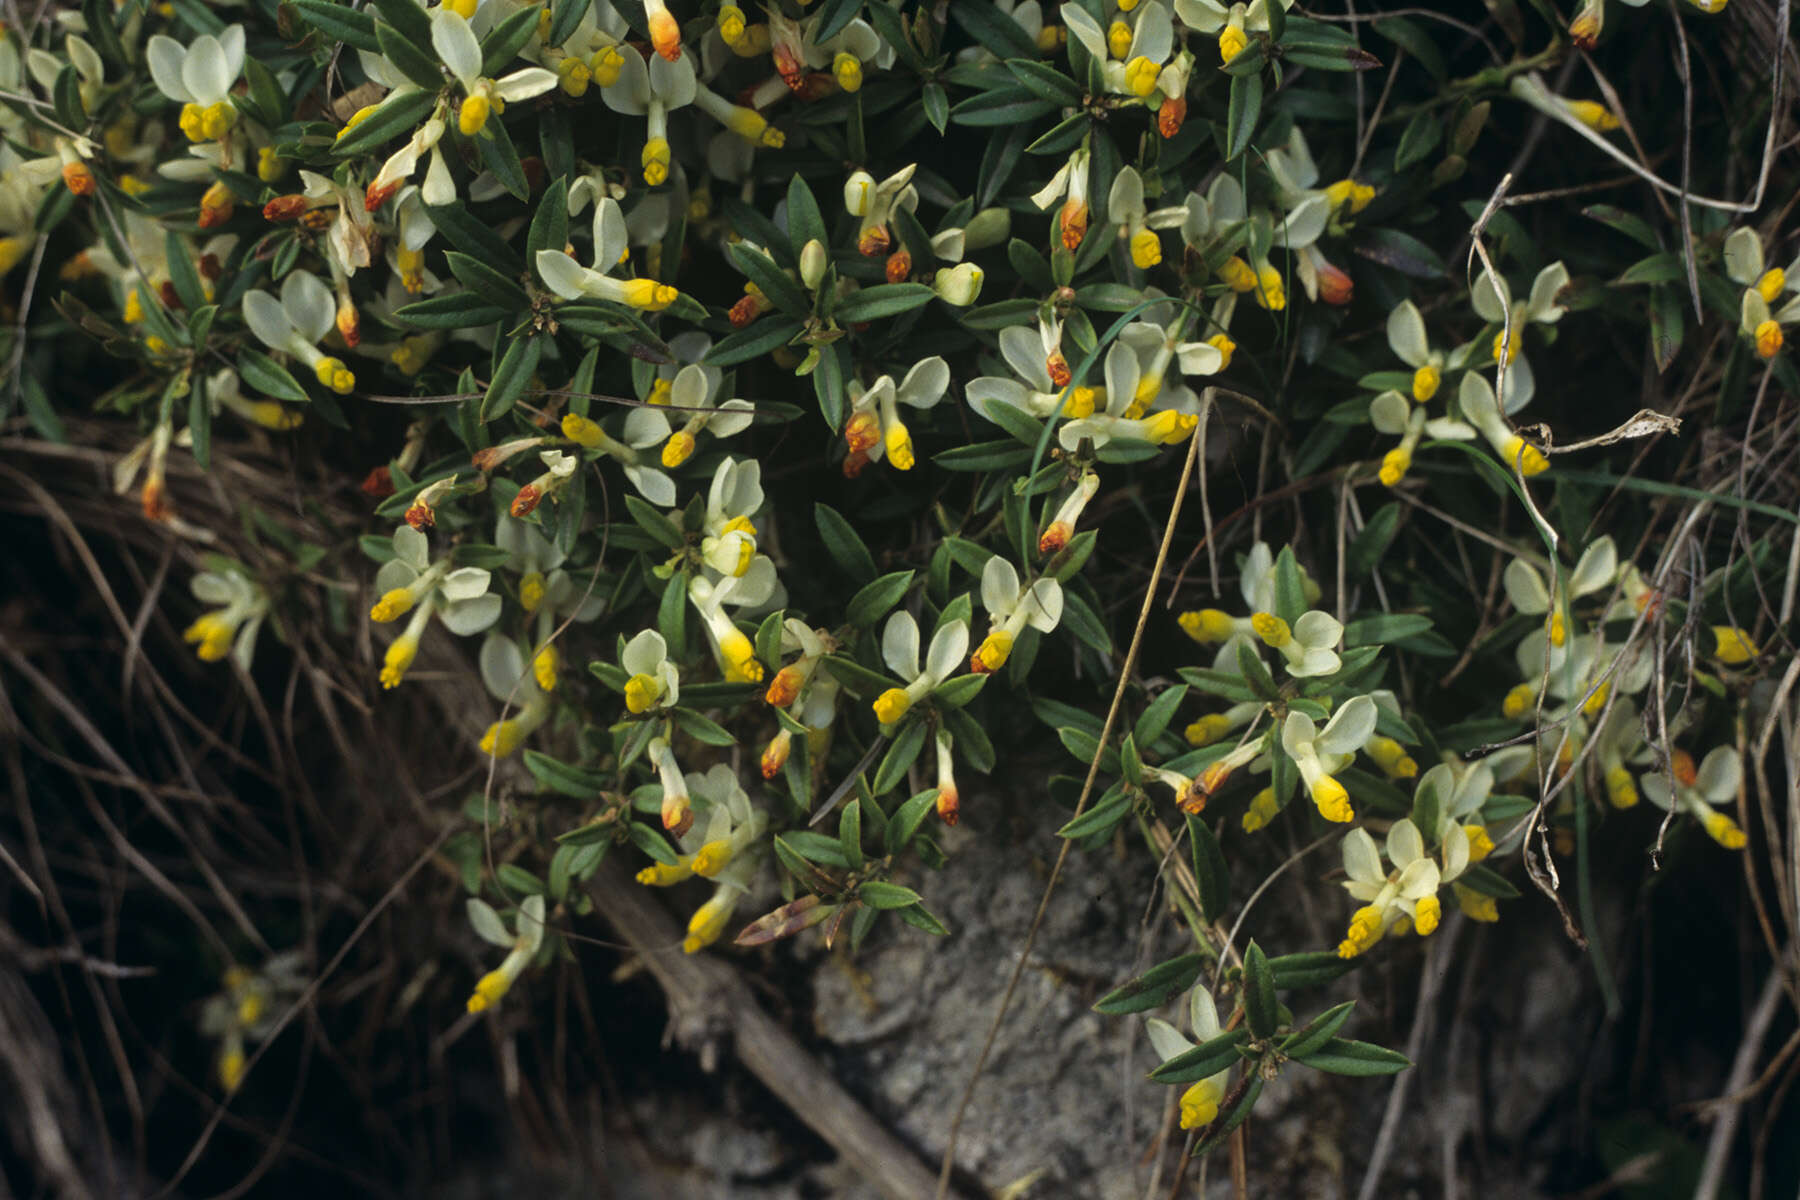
(1406, 334)
(465, 583)
(562, 274)
(1390, 413)
(949, 650)
(925, 383)
(1349, 727)
(264, 314)
(165, 56)
(999, 587)
(1362, 861)
(1743, 255)
(456, 45)
(205, 71)
(644, 653)
(652, 485)
(1525, 587)
(524, 83)
(466, 617)
(1044, 602)
(1405, 846)
(900, 645)
(1721, 773)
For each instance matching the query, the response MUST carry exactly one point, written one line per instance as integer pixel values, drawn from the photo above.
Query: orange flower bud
(1073, 222)
(874, 241)
(1170, 116)
(285, 208)
(374, 197)
(775, 755)
(1055, 538)
(861, 432)
(784, 688)
(948, 805)
(78, 179)
(421, 516)
(1058, 367)
(526, 500)
(899, 266)
(378, 483)
(1335, 287)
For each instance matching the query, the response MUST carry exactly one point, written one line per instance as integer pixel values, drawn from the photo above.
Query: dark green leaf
(1260, 1004)
(843, 544)
(1153, 988)
(1210, 871)
(1341, 1057)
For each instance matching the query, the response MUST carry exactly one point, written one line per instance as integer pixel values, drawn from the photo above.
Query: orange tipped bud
(874, 241)
(899, 266)
(1073, 223)
(789, 67)
(775, 756)
(349, 324)
(855, 462)
(1335, 287)
(1170, 116)
(785, 687)
(210, 267)
(285, 208)
(374, 197)
(1681, 765)
(156, 500)
(420, 516)
(677, 814)
(78, 179)
(1058, 367)
(948, 805)
(317, 220)
(747, 310)
(526, 500)
(1055, 537)
(861, 432)
(216, 206)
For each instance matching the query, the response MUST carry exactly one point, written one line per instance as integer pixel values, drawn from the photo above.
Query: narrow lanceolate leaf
(882, 300)
(1210, 872)
(1154, 987)
(877, 894)
(402, 111)
(1259, 993)
(1208, 1058)
(1341, 1057)
(1244, 110)
(1321, 1029)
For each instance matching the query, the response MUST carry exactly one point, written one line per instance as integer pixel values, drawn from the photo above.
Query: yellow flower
(489, 989)
(1732, 646)
(995, 649)
(1231, 42)
(1208, 626)
(399, 657)
(502, 738)
(1425, 383)
(891, 705)
(1200, 1104)
(1364, 931)
(393, 605)
(1768, 339)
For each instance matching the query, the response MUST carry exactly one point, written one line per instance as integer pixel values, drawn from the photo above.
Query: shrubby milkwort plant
(782, 392)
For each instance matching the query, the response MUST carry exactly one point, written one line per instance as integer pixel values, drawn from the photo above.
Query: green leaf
(993, 29)
(417, 65)
(1290, 592)
(1208, 1058)
(1210, 871)
(1309, 968)
(1415, 41)
(1225, 1122)
(400, 113)
(652, 842)
(753, 342)
(843, 544)
(671, 614)
(1629, 224)
(472, 236)
(182, 275)
(1311, 1038)
(505, 40)
(905, 822)
(1401, 251)
(872, 603)
(1042, 79)
(971, 739)
(511, 377)
(514, 878)
(65, 99)
(762, 270)
(565, 19)
(1420, 139)
(984, 456)
(702, 729)
(909, 740)
(458, 310)
(1260, 1004)
(655, 522)
(411, 21)
(1079, 619)
(339, 23)
(936, 104)
(1153, 988)
(1222, 684)
(550, 225)
(1256, 674)
(1381, 630)
(1371, 545)
(805, 222)
(1326, 56)
(1099, 820)
(1009, 105)
(919, 917)
(562, 778)
(877, 894)
(1341, 1057)
(1245, 109)
(833, 16)
(1157, 715)
(500, 156)
(850, 834)
(485, 280)
(882, 300)
(859, 679)
(263, 374)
